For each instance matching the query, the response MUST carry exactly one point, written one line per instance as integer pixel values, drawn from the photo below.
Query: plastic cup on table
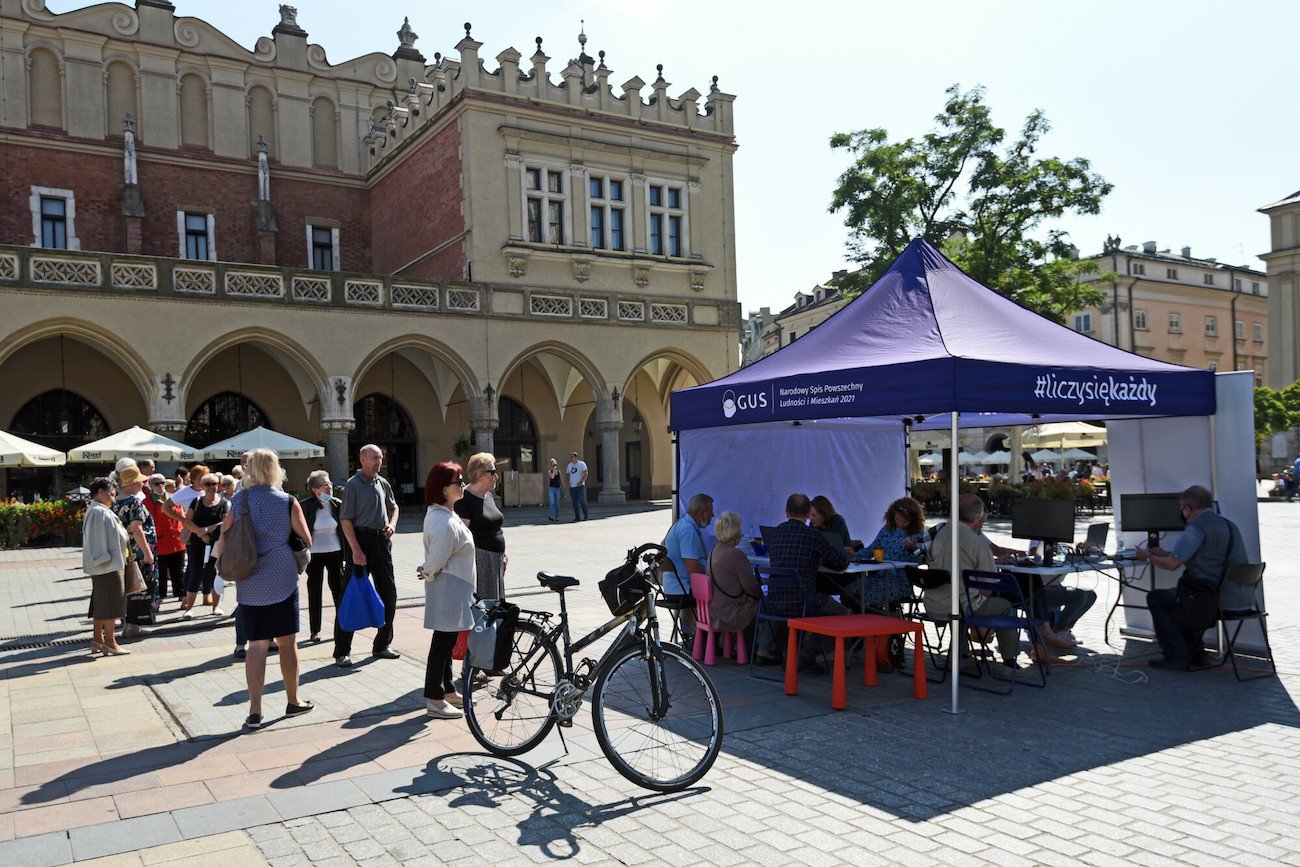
(878, 554)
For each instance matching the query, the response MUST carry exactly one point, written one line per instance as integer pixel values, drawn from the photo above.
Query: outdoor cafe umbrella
(930, 460)
(1078, 455)
(284, 446)
(1045, 455)
(1066, 434)
(998, 457)
(134, 442)
(18, 452)
(972, 458)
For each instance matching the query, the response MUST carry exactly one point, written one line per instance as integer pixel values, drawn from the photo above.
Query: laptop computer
(1096, 539)
(766, 533)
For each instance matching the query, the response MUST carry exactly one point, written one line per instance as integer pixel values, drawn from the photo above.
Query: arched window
(194, 111)
(120, 93)
(59, 419)
(261, 120)
(516, 436)
(45, 89)
(221, 417)
(381, 421)
(324, 136)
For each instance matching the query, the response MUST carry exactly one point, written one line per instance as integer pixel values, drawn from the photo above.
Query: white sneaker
(441, 710)
(188, 615)
(217, 612)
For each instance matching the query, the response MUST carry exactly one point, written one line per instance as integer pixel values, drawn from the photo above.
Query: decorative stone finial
(288, 15)
(538, 40)
(406, 35)
(467, 26)
(714, 86)
(660, 69)
(602, 58)
(582, 34)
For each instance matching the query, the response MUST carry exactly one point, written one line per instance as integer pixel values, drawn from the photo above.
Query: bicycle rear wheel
(664, 754)
(511, 714)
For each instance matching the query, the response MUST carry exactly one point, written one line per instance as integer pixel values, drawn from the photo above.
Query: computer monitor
(1049, 521)
(1151, 514)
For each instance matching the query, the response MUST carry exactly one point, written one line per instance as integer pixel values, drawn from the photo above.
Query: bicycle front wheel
(511, 714)
(665, 754)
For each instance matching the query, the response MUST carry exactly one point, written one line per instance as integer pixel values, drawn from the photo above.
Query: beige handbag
(132, 580)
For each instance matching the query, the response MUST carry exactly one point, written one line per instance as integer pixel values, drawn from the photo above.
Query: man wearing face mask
(1209, 545)
(322, 514)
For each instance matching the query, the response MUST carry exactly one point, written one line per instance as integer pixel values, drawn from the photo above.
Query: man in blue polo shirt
(688, 553)
(1209, 545)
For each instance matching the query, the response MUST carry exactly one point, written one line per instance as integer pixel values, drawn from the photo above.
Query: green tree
(981, 201)
(1276, 411)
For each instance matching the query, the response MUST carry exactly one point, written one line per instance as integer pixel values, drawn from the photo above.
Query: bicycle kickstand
(564, 743)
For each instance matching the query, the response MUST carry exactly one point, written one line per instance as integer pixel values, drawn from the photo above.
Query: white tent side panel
(1166, 455)
(860, 467)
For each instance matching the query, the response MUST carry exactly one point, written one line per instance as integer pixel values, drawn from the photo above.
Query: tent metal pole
(677, 474)
(954, 615)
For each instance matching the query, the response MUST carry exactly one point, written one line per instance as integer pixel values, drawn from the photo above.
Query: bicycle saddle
(558, 583)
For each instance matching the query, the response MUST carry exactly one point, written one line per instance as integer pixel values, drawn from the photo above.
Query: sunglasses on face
(493, 472)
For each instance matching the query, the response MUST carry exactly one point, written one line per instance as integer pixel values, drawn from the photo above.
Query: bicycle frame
(643, 614)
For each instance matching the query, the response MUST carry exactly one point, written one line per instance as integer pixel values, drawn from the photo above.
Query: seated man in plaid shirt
(795, 545)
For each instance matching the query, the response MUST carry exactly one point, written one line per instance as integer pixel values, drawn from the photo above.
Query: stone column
(483, 422)
(336, 432)
(611, 460)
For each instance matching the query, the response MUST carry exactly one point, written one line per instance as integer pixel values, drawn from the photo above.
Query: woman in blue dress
(268, 597)
(902, 537)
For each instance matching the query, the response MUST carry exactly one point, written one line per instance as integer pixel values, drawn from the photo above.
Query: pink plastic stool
(705, 645)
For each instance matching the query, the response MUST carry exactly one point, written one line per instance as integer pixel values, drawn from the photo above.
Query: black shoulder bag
(1196, 606)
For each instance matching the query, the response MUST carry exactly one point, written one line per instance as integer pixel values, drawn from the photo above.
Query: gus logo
(731, 403)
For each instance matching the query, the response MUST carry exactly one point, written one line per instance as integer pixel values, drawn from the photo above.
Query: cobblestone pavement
(137, 760)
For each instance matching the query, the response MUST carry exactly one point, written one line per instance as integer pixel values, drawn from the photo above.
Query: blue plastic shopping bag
(361, 607)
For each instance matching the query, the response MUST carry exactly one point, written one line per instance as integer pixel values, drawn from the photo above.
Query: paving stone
(126, 835)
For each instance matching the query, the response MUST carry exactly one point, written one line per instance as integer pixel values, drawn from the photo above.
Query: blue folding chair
(784, 596)
(1004, 585)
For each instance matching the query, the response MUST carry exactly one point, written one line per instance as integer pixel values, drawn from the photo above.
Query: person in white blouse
(449, 581)
(322, 513)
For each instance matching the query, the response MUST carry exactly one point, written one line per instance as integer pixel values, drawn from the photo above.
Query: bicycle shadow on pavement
(481, 780)
(377, 737)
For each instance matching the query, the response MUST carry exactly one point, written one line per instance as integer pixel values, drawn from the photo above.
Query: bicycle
(656, 714)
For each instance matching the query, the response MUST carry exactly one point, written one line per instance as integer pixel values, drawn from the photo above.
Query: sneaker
(386, 653)
(217, 612)
(188, 615)
(343, 661)
(442, 710)
(240, 653)
(254, 721)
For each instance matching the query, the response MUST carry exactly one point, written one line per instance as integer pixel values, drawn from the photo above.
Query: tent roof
(18, 452)
(284, 446)
(927, 338)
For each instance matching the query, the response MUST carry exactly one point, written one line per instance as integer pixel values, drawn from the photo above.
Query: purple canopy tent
(928, 339)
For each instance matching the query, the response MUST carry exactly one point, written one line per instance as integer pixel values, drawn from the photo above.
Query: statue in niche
(130, 173)
(263, 169)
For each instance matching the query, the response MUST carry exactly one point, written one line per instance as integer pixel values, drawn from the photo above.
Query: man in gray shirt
(368, 519)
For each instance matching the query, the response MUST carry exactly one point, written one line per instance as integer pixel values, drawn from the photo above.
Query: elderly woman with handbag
(103, 556)
(449, 582)
(482, 513)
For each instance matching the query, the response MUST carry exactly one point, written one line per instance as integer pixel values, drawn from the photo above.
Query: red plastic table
(840, 627)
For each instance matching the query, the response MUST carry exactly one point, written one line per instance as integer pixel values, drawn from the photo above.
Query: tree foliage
(1276, 411)
(980, 199)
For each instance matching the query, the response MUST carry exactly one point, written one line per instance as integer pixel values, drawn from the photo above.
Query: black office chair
(1248, 575)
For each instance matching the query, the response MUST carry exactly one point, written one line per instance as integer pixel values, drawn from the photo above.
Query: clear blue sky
(1190, 108)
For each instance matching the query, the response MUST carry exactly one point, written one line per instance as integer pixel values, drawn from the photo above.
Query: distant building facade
(1181, 309)
(197, 236)
(764, 333)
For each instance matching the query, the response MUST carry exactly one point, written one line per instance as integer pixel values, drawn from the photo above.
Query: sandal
(297, 709)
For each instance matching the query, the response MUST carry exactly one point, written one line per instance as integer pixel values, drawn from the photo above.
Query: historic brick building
(198, 237)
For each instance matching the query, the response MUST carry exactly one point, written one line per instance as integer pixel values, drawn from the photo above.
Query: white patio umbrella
(1065, 434)
(18, 452)
(998, 457)
(972, 458)
(1045, 455)
(1078, 455)
(930, 460)
(134, 442)
(284, 446)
